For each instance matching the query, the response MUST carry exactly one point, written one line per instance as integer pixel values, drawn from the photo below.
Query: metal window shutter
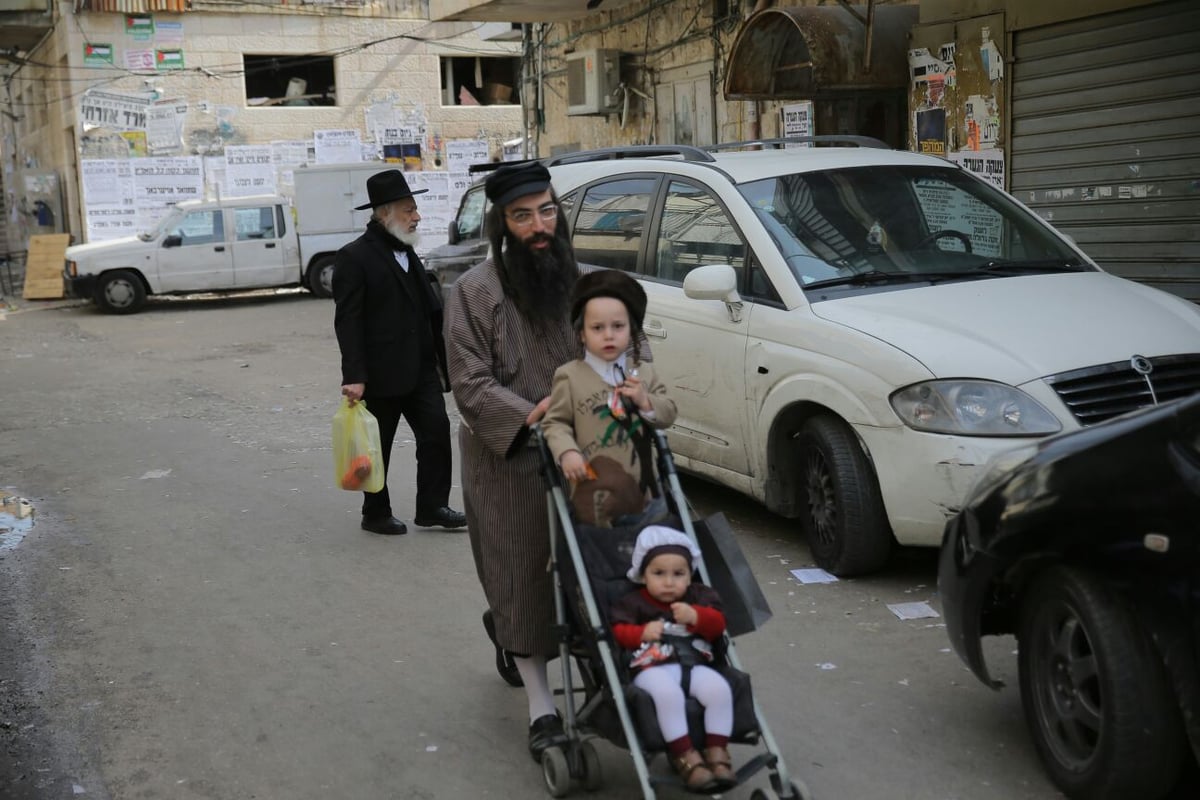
(1106, 138)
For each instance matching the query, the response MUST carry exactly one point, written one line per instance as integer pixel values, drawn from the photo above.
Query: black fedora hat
(387, 187)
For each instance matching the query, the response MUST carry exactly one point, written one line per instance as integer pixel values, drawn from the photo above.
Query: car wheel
(320, 277)
(120, 292)
(1095, 692)
(843, 514)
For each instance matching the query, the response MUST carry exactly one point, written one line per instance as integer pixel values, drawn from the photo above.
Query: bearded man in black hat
(388, 320)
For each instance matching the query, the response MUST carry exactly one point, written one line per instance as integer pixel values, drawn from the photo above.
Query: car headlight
(972, 408)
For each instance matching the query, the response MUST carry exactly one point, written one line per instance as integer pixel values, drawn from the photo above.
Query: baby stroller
(589, 566)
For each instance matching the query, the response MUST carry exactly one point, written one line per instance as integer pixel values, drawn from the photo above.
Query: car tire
(120, 292)
(1095, 692)
(842, 511)
(320, 276)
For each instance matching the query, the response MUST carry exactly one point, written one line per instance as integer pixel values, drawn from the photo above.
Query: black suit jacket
(376, 314)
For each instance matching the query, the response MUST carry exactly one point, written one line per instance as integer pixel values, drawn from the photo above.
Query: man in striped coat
(507, 331)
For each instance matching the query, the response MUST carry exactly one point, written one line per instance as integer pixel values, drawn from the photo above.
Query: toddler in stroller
(593, 597)
(669, 625)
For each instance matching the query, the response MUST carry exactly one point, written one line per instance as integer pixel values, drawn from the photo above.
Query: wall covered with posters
(957, 93)
(137, 111)
(1088, 113)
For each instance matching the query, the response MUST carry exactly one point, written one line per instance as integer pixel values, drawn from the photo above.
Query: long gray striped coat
(500, 368)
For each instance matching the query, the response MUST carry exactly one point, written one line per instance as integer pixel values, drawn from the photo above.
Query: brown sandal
(696, 776)
(721, 766)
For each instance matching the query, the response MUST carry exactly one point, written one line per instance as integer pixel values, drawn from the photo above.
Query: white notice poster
(798, 121)
(109, 208)
(164, 127)
(462, 153)
(159, 183)
(338, 146)
(249, 169)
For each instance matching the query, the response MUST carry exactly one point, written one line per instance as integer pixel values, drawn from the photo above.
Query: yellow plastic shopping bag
(357, 454)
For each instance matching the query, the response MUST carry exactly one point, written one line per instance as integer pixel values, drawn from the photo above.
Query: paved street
(195, 613)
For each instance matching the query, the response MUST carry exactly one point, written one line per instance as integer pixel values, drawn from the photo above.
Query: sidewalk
(12, 276)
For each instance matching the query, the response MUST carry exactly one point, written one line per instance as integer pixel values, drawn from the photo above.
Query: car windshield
(902, 225)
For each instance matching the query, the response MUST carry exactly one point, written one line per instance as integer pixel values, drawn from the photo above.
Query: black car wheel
(843, 514)
(1095, 694)
(320, 277)
(120, 292)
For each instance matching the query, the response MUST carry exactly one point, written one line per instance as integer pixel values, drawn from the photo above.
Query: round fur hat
(609, 283)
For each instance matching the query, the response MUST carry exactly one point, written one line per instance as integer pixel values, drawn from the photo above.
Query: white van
(231, 243)
(200, 246)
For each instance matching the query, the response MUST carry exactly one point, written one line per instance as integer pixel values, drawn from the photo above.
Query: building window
(480, 81)
(289, 80)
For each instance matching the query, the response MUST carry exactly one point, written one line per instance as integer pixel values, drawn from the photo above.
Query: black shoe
(444, 517)
(545, 732)
(388, 526)
(504, 660)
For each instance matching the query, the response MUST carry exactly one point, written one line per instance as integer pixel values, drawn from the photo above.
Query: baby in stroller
(669, 625)
(600, 403)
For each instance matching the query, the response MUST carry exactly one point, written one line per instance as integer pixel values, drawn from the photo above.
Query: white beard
(409, 238)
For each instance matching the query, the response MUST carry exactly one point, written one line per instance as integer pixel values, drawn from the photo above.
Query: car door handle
(219, 248)
(656, 330)
(270, 245)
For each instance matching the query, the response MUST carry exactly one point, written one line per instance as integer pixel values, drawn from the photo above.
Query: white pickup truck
(230, 244)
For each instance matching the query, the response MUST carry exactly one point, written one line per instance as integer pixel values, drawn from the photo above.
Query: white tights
(537, 687)
(663, 684)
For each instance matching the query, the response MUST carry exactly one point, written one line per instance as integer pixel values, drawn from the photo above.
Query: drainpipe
(870, 35)
(541, 96)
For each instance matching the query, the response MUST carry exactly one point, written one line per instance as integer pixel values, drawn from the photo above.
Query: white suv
(852, 332)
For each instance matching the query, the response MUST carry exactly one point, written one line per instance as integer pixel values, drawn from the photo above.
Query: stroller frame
(577, 758)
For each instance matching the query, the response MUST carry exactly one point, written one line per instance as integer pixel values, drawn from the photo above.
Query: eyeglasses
(523, 218)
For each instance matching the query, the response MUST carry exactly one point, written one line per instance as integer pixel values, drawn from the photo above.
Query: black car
(1088, 549)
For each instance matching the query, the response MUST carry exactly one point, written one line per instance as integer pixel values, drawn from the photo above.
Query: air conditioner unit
(593, 77)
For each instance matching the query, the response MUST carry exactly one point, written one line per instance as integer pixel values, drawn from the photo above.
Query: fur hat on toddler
(609, 283)
(658, 539)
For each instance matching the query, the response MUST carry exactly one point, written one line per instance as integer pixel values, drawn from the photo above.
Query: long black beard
(539, 281)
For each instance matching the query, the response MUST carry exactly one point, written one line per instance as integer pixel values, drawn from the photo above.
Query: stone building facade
(239, 75)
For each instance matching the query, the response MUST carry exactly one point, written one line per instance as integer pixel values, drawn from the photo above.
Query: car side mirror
(452, 235)
(174, 240)
(712, 282)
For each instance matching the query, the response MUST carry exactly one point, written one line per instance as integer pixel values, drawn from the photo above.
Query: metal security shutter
(1106, 138)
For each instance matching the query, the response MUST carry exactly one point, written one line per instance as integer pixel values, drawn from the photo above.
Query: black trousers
(424, 409)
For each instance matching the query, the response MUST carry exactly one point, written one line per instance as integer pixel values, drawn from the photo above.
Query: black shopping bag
(745, 607)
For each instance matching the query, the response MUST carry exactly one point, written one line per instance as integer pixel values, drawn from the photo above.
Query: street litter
(16, 518)
(814, 575)
(918, 610)
(827, 665)
(155, 473)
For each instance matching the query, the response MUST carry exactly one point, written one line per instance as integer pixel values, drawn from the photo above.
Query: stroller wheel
(556, 772)
(795, 793)
(593, 778)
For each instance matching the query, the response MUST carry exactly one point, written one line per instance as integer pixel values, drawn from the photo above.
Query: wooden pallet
(44, 266)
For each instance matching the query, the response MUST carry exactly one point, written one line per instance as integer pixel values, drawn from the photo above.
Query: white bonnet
(653, 537)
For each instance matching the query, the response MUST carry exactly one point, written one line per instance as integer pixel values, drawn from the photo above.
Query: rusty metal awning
(813, 52)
